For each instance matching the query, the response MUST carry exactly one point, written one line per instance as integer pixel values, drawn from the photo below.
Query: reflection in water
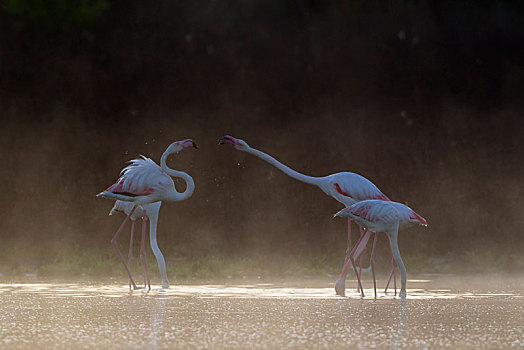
(399, 333)
(157, 321)
(437, 313)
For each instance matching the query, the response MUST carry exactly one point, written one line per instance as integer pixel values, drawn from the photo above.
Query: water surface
(454, 312)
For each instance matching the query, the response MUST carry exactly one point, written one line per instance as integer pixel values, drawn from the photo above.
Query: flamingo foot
(402, 294)
(340, 287)
(165, 284)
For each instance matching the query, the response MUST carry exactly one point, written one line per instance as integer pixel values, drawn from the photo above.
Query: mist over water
(405, 95)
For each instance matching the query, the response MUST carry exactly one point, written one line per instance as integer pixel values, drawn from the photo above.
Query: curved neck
(190, 184)
(285, 169)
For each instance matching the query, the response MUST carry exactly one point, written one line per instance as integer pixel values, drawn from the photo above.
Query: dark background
(424, 98)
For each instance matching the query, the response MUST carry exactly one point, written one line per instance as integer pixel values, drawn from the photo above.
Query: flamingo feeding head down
(144, 182)
(381, 216)
(346, 187)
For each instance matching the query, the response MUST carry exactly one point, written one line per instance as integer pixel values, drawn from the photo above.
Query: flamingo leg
(348, 248)
(115, 245)
(372, 262)
(395, 277)
(362, 231)
(361, 246)
(356, 273)
(349, 237)
(358, 251)
(355, 253)
(130, 253)
(392, 274)
(340, 284)
(143, 252)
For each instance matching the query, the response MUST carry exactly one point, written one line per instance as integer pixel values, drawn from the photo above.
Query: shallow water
(454, 312)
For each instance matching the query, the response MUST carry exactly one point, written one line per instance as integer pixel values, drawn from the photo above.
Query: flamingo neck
(190, 184)
(285, 169)
(153, 220)
(393, 239)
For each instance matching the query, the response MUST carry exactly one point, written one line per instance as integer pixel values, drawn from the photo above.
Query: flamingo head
(113, 211)
(343, 213)
(187, 143)
(116, 208)
(237, 143)
(177, 146)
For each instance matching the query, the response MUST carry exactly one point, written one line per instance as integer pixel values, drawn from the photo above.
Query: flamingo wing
(356, 187)
(375, 211)
(141, 178)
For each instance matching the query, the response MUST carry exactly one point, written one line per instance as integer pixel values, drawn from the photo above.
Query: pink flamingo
(144, 182)
(380, 216)
(152, 214)
(346, 187)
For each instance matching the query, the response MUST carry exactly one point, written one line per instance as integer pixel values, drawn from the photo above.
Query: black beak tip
(194, 144)
(221, 140)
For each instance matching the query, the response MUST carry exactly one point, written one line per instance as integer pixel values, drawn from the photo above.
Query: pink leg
(349, 236)
(392, 274)
(340, 284)
(143, 251)
(362, 231)
(115, 245)
(395, 278)
(130, 254)
(372, 262)
(358, 278)
(348, 247)
(346, 264)
(357, 250)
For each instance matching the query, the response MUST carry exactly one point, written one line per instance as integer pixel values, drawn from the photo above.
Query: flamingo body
(349, 188)
(378, 215)
(143, 181)
(144, 184)
(142, 178)
(382, 216)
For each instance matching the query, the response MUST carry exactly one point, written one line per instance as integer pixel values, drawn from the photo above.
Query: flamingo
(152, 214)
(346, 187)
(144, 182)
(380, 216)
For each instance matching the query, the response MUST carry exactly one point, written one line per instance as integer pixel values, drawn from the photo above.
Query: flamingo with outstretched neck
(144, 182)
(346, 187)
(380, 216)
(152, 214)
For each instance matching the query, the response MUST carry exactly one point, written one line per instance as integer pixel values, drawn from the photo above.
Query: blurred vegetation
(424, 98)
(100, 263)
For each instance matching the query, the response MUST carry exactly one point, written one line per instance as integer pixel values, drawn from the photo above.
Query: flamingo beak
(224, 140)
